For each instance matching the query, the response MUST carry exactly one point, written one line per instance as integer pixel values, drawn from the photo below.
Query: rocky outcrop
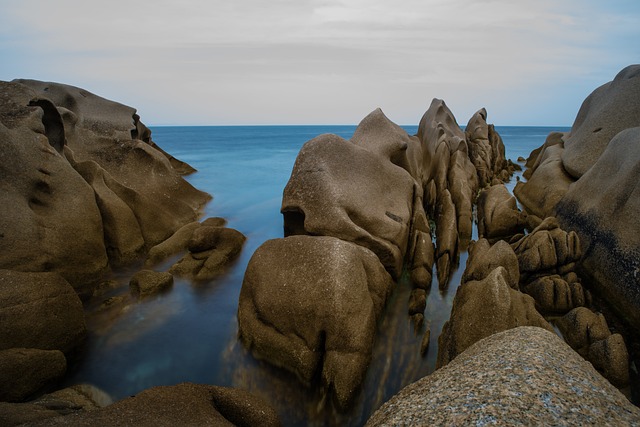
(26, 371)
(310, 305)
(588, 180)
(182, 404)
(523, 376)
(147, 283)
(482, 308)
(498, 214)
(84, 187)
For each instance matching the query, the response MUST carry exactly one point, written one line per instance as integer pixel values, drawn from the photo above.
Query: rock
(310, 305)
(85, 187)
(26, 371)
(610, 109)
(207, 265)
(39, 310)
(484, 258)
(463, 186)
(521, 159)
(446, 238)
(547, 186)
(482, 308)
(166, 406)
(547, 250)
(422, 256)
(498, 214)
(417, 301)
(480, 151)
(146, 283)
(80, 397)
(602, 207)
(174, 245)
(610, 357)
(350, 191)
(582, 327)
(522, 376)
(206, 237)
(553, 294)
(424, 344)
(14, 414)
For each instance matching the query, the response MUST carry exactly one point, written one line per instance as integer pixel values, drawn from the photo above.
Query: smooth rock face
(25, 371)
(498, 214)
(84, 188)
(523, 376)
(182, 404)
(310, 305)
(602, 207)
(39, 310)
(484, 258)
(610, 109)
(482, 308)
(148, 282)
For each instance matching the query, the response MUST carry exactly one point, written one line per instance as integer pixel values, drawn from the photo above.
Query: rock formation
(523, 376)
(588, 180)
(368, 200)
(84, 187)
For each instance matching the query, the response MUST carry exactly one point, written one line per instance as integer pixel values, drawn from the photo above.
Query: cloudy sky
(199, 62)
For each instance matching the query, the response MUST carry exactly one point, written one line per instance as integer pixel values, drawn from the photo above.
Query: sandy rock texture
(523, 376)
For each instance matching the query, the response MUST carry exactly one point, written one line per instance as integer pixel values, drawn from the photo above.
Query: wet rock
(522, 376)
(484, 258)
(26, 371)
(417, 301)
(311, 305)
(146, 283)
(174, 245)
(39, 310)
(225, 246)
(482, 308)
(14, 414)
(424, 344)
(498, 214)
(446, 238)
(80, 397)
(165, 406)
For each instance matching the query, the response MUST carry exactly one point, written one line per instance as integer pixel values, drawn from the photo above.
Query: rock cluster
(523, 376)
(588, 179)
(363, 202)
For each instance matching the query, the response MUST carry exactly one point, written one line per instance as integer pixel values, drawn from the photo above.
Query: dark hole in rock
(293, 222)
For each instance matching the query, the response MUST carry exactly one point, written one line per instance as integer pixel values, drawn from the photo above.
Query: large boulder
(523, 376)
(311, 305)
(602, 207)
(484, 258)
(83, 186)
(182, 404)
(39, 310)
(608, 110)
(498, 214)
(483, 308)
(342, 189)
(26, 371)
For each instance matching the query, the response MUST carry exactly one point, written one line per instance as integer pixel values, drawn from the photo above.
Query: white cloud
(323, 61)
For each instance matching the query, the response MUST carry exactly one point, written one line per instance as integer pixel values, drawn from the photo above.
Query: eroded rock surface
(523, 376)
(310, 305)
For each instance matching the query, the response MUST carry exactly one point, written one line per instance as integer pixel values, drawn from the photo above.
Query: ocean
(190, 333)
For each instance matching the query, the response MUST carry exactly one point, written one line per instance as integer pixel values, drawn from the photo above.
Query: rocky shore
(86, 192)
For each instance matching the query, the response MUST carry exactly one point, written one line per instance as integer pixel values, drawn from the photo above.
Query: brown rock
(146, 283)
(610, 357)
(26, 371)
(498, 214)
(553, 294)
(582, 327)
(484, 258)
(417, 301)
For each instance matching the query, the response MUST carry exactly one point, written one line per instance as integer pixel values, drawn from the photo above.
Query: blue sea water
(190, 333)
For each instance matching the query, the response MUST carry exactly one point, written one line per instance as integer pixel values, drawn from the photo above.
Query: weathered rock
(182, 404)
(84, 186)
(310, 305)
(547, 250)
(463, 186)
(14, 414)
(602, 207)
(610, 357)
(26, 371)
(480, 151)
(582, 327)
(417, 301)
(498, 214)
(424, 344)
(446, 238)
(553, 294)
(610, 109)
(523, 376)
(206, 265)
(341, 189)
(482, 308)
(146, 283)
(484, 258)
(80, 397)
(174, 245)
(39, 310)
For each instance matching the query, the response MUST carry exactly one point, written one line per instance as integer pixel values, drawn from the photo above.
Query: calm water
(190, 333)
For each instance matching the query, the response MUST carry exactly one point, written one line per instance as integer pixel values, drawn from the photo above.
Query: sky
(231, 62)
